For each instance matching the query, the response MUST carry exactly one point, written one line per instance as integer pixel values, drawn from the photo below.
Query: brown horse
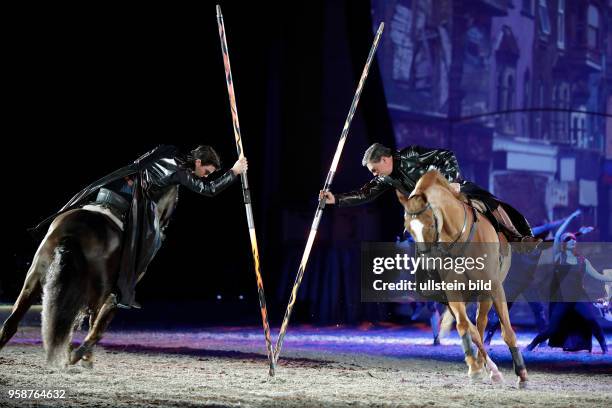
(436, 215)
(76, 268)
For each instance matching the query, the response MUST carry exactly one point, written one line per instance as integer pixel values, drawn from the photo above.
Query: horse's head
(434, 211)
(420, 219)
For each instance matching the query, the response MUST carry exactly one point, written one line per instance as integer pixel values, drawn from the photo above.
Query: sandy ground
(328, 367)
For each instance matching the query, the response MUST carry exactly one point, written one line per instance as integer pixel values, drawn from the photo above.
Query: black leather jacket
(165, 172)
(155, 170)
(409, 165)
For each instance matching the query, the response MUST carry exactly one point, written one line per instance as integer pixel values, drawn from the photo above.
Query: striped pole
(245, 189)
(326, 187)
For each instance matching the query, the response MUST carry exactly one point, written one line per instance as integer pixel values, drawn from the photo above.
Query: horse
(439, 217)
(76, 267)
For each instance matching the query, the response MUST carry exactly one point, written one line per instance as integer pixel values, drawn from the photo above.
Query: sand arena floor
(330, 367)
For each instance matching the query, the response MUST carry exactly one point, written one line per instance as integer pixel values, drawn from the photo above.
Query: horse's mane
(434, 177)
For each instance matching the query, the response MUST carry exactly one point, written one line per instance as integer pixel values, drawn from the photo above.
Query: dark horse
(76, 267)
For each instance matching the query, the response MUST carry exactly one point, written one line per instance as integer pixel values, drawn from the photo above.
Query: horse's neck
(451, 210)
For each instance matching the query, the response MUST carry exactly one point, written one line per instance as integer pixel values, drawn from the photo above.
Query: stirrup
(133, 305)
(122, 305)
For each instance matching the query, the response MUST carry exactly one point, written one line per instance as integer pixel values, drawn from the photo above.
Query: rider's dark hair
(207, 156)
(374, 153)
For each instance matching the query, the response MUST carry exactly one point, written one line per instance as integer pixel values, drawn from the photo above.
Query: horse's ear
(416, 201)
(418, 194)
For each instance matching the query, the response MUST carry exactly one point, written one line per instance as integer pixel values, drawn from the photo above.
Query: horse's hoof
(476, 375)
(521, 384)
(76, 355)
(87, 363)
(494, 374)
(496, 377)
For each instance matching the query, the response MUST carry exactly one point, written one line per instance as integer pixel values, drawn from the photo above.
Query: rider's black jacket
(410, 164)
(155, 170)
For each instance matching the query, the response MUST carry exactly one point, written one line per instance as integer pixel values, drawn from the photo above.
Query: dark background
(91, 88)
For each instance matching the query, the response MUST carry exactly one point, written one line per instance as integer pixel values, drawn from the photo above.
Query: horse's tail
(63, 299)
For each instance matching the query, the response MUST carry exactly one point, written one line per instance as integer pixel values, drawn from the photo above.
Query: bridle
(450, 246)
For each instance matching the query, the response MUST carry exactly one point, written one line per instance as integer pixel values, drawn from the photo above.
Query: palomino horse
(76, 268)
(436, 215)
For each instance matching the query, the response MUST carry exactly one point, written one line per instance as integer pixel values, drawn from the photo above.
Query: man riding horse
(131, 195)
(409, 172)
(402, 169)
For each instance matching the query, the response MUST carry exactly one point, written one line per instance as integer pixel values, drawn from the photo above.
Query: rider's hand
(240, 166)
(329, 197)
(585, 230)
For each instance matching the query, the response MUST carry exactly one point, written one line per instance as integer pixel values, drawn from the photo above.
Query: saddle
(113, 201)
(111, 204)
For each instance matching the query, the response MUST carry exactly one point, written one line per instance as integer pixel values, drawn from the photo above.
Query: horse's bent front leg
(101, 321)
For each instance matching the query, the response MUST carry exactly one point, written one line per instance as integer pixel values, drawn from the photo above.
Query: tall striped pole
(326, 187)
(245, 189)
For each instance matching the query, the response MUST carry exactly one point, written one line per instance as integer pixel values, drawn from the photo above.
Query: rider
(403, 169)
(131, 194)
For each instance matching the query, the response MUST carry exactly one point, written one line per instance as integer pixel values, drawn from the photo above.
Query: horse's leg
(463, 328)
(482, 357)
(103, 318)
(447, 322)
(481, 322)
(434, 320)
(499, 300)
(31, 289)
(87, 359)
(482, 316)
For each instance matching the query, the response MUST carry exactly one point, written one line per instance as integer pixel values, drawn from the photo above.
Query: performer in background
(571, 324)
(523, 270)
